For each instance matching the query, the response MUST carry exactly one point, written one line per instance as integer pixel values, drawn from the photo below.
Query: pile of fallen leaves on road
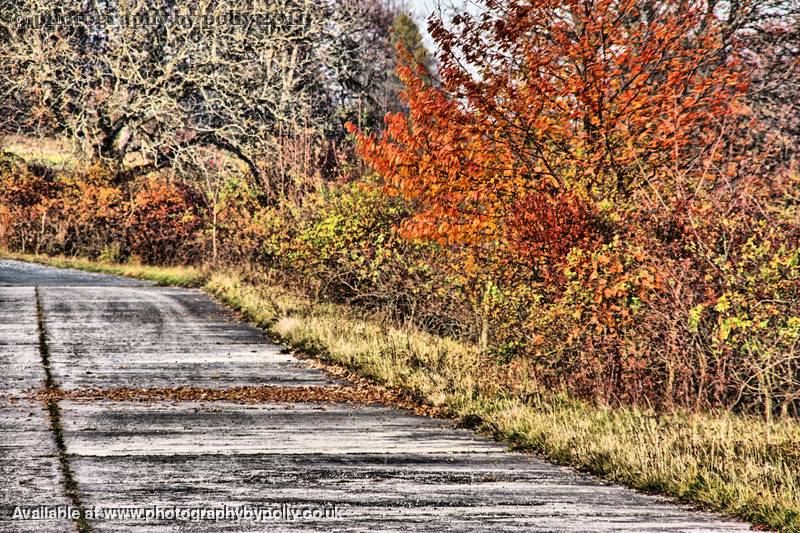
(357, 394)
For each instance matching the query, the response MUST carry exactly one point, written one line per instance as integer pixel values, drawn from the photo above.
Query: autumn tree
(548, 109)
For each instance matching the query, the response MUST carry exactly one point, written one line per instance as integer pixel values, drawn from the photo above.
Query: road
(78, 336)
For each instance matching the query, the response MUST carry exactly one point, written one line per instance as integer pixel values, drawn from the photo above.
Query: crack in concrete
(70, 483)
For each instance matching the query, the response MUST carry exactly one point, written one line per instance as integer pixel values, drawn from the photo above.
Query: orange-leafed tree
(546, 108)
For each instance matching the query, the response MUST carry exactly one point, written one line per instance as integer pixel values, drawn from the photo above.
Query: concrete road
(125, 465)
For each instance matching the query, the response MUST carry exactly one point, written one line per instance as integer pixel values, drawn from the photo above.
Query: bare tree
(769, 33)
(143, 85)
(773, 41)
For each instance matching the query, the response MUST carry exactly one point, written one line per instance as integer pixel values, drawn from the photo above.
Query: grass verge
(737, 465)
(189, 277)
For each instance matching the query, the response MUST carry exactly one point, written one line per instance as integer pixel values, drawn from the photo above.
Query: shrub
(164, 222)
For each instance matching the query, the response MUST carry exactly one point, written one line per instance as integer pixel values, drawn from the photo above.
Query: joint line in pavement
(71, 489)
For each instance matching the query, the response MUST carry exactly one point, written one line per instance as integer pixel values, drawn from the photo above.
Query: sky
(422, 9)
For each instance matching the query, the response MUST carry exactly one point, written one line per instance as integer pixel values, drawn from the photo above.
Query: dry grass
(55, 153)
(46, 151)
(738, 465)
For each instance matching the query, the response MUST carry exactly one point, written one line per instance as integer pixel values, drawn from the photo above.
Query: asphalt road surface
(197, 465)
